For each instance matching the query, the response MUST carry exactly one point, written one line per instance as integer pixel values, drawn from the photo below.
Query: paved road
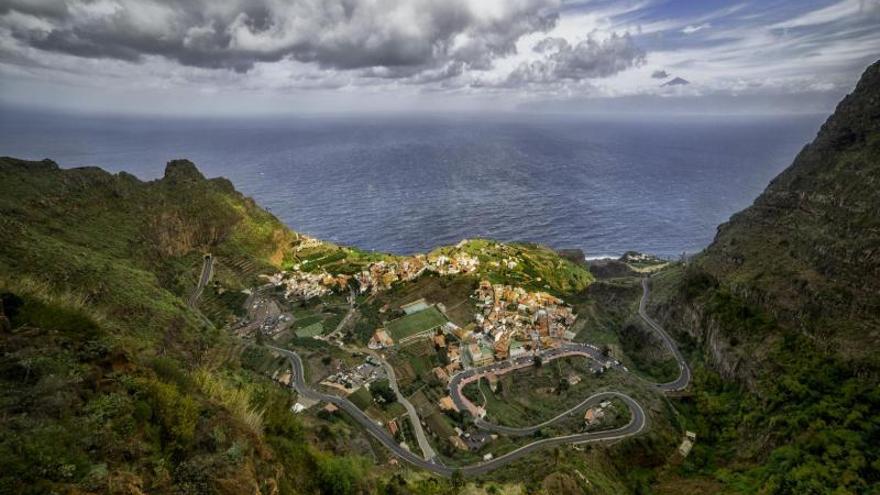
(684, 376)
(204, 278)
(337, 332)
(638, 422)
(462, 378)
(421, 438)
(457, 383)
(638, 419)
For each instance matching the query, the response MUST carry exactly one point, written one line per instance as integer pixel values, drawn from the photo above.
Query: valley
(446, 359)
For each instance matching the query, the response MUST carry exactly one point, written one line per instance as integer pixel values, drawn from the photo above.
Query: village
(376, 277)
(514, 321)
(381, 275)
(511, 322)
(508, 327)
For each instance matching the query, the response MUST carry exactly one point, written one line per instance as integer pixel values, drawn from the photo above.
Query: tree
(563, 385)
(457, 479)
(538, 361)
(382, 392)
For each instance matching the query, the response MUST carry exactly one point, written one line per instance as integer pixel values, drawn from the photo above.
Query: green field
(361, 398)
(312, 330)
(408, 325)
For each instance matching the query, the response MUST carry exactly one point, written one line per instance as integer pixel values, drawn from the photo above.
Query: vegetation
(534, 395)
(805, 422)
(781, 313)
(100, 354)
(415, 323)
(528, 265)
(382, 393)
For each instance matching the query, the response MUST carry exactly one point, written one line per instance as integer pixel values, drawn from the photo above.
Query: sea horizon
(409, 183)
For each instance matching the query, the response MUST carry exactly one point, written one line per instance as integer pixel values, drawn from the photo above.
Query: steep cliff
(784, 308)
(808, 251)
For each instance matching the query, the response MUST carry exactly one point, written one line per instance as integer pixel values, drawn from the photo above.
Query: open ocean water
(405, 184)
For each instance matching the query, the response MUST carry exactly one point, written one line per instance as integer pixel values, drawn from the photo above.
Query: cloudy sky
(294, 56)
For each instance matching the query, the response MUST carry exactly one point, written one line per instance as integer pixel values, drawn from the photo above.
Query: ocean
(406, 184)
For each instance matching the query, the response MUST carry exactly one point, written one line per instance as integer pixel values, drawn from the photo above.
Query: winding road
(204, 278)
(684, 375)
(418, 431)
(638, 419)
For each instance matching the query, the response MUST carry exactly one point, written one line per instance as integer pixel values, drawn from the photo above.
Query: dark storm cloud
(584, 60)
(659, 74)
(41, 8)
(407, 36)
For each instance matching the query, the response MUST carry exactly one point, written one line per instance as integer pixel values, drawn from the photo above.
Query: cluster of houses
(452, 363)
(304, 285)
(377, 277)
(513, 320)
(351, 379)
(307, 242)
(381, 275)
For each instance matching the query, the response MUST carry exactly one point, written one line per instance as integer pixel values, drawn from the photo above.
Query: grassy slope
(102, 355)
(784, 304)
(536, 267)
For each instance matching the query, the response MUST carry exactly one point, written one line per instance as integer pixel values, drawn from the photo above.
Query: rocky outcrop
(610, 268)
(182, 171)
(693, 322)
(804, 258)
(806, 254)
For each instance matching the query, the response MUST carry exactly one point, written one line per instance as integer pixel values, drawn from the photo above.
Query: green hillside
(114, 382)
(110, 382)
(783, 312)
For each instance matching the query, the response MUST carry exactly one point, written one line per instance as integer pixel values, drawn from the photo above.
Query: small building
(447, 404)
(473, 353)
(452, 353)
(593, 415)
(685, 448)
(687, 443)
(284, 378)
(392, 427)
(486, 355)
(517, 348)
(487, 457)
(457, 442)
(380, 340)
(441, 374)
(501, 348)
(573, 379)
(492, 378)
(330, 408)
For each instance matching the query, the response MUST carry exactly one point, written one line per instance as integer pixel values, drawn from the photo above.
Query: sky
(280, 57)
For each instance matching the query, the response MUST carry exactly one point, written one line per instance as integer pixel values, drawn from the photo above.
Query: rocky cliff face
(805, 256)
(808, 251)
(785, 303)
